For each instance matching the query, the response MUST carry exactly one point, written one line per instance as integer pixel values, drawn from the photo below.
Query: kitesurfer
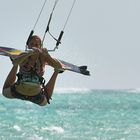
(28, 83)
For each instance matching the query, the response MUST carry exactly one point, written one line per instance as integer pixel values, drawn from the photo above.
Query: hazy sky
(103, 34)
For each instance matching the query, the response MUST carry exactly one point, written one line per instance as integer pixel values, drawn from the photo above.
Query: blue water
(73, 115)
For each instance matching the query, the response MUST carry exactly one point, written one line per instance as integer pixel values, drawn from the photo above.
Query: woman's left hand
(37, 50)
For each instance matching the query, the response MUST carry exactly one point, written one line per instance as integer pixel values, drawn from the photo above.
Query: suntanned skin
(38, 55)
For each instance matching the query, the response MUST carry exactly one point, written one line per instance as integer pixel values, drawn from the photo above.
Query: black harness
(31, 77)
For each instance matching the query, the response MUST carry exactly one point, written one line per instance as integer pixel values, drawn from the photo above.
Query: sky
(102, 34)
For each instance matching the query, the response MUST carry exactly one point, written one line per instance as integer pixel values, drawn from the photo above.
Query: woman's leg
(49, 87)
(10, 80)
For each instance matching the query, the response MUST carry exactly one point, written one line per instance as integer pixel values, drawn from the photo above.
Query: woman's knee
(43, 103)
(6, 92)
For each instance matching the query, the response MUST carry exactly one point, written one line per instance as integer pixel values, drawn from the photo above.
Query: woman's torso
(31, 69)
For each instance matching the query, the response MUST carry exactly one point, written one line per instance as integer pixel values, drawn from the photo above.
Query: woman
(30, 85)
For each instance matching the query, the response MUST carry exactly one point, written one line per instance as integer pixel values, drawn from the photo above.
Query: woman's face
(34, 42)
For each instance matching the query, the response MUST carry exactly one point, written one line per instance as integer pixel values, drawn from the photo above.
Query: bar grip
(31, 34)
(59, 38)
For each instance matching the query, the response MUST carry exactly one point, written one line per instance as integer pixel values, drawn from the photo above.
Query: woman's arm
(55, 63)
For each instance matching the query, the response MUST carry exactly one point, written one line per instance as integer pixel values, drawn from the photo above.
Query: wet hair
(34, 37)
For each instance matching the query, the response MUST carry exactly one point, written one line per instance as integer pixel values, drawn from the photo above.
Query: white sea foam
(137, 90)
(54, 129)
(0, 90)
(35, 137)
(72, 90)
(17, 128)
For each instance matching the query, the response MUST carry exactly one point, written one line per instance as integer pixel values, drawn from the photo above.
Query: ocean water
(81, 114)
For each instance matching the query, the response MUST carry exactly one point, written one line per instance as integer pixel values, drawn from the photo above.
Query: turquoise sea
(74, 114)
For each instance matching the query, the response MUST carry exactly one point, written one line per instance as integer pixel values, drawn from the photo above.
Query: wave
(56, 129)
(136, 90)
(0, 90)
(88, 90)
(72, 90)
(17, 128)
